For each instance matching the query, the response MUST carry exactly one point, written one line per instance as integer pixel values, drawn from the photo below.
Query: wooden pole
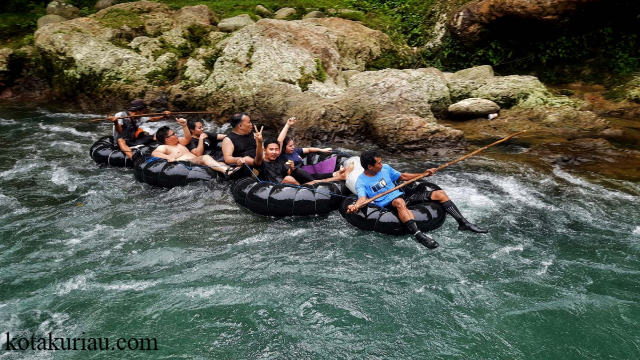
(156, 114)
(426, 173)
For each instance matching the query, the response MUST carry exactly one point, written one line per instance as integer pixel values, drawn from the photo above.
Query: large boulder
(263, 11)
(296, 52)
(235, 23)
(506, 91)
(401, 92)
(314, 15)
(195, 15)
(80, 50)
(473, 108)
(63, 9)
(474, 17)
(284, 13)
(474, 73)
(137, 18)
(390, 107)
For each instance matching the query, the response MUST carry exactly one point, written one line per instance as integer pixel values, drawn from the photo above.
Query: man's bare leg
(219, 167)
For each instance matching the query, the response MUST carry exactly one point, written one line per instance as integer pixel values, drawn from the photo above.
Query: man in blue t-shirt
(378, 178)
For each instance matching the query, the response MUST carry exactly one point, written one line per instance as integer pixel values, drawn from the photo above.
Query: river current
(88, 252)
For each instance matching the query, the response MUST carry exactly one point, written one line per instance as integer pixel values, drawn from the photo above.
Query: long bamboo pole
(438, 169)
(156, 114)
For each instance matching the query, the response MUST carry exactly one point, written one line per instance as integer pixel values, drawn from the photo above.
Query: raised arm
(323, 150)
(285, 130)
(259, 150)
(158, 118)
(186, 138)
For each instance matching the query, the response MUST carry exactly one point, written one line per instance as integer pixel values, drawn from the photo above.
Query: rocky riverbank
(318, 69)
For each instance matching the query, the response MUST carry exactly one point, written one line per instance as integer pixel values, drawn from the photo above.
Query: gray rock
(349, 12)
(259, 54)
(195, 71)
(175, 37)
(474, 73)
(348, 74)
(263, 11)
(629, 90)
(146, 45)
(473, 108)
(405, 91)
(103, 4)
(215, 37)
(194, 15)
(314, 15)
(235, 23)
(50, 19)
(63, 9)
(506, 91)
(87, 43)
(284, 13)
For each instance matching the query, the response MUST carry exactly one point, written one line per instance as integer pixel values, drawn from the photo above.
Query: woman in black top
(202, 142)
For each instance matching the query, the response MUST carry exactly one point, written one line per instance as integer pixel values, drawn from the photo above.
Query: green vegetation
(117, 18)
(164, 76)
(15, 26)
(307, 78)
(320, 74)
(593, 48)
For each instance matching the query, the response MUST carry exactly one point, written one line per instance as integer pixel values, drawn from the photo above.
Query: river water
(88, 252)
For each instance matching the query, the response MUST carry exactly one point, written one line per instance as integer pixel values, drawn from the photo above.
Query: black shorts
(413, 199)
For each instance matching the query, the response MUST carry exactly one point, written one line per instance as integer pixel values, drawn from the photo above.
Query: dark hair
(236, 119)
(191, 124)
(162, 133)
(368, 158)
(271, 141)
(286, 141)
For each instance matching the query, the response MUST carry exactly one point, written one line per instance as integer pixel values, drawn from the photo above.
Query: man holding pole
(378, 178)
(127, 131)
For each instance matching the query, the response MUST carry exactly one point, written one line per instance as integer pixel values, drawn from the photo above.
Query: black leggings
(303, 177)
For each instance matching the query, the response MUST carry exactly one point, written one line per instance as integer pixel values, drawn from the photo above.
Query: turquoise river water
(88, 252)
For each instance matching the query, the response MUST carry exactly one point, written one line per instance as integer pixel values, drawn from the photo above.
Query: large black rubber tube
(284, 200)
(106, 151)
(160, 172)
(429, 215)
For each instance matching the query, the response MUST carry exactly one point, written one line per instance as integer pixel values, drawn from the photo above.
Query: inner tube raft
(106, 151)
(162, 173)
(429, 215)
(281, 200)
